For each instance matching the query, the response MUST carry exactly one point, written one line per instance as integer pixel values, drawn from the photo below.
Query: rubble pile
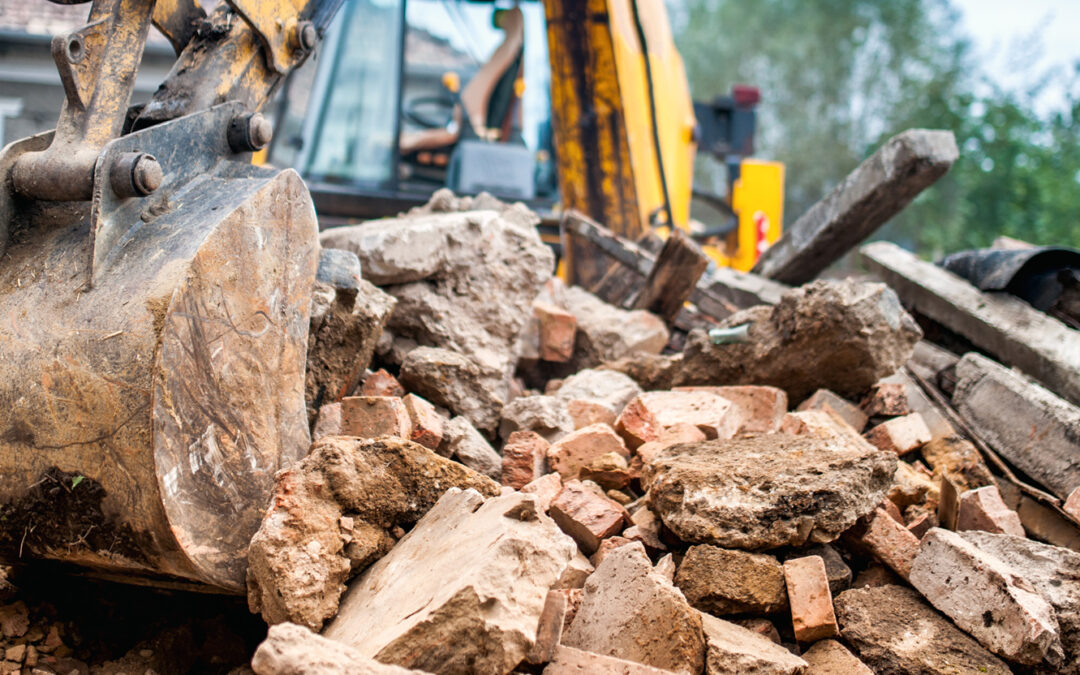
(509, 474)
(792, 501)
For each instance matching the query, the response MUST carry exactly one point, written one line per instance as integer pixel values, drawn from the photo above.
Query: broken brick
(900, 434)
(374, 416)
(427, 425)
(557, 330)
(524, 458)
(381, 383)
(573, 451)
(810, 599)
(586, 516)
(983, 509)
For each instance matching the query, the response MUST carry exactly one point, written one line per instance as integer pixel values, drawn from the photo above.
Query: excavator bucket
(152, 353)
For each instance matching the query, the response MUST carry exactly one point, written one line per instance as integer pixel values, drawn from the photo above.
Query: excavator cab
(408, 97)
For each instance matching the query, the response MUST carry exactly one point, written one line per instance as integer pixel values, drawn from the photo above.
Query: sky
(996, 25)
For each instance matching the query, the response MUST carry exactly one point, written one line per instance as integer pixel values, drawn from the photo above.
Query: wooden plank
(999, 324)
(673, 276)
(865, 200)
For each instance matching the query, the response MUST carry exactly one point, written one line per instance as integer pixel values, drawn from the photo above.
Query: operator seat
(487, 98)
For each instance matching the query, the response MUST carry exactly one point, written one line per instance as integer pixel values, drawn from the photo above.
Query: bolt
(306, 35)
(249, 132)
(135, 174)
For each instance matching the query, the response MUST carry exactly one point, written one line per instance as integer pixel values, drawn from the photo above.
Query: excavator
(157, 269)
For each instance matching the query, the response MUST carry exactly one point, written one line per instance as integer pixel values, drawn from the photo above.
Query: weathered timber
(717, 293)
(1013, 331)
(673, 276)
(865, 200)
(1035, 430)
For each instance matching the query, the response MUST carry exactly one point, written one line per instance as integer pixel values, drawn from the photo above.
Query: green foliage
(838, 77)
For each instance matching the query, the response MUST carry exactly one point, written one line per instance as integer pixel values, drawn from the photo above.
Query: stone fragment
(575, 450)
(463, 442)
(456, 382)
(630, 612)
(558, 328)
(985, 597)
(810, 599)
(843, 336)
(375, 416)
(900, 434)
(829, 657)
(734, 650)
(381, 383)
(1055, 574)
(346, 323)
(607, 387)
(826, 401)
(895, 632)
(546, 415)
(610, 471)
(886, 399)
(983, 509)
(328, 422)
(586, 516)
(524, 458)
(570, 661)
(290, 649)
(607, 333)
(546, 488)
(637, 424)
(765, 491)
(427, 424)
(713, 415)
(462, 592)
(890, 542)
(607, 546)
(300, 557)
(721, 581)
(758, 409)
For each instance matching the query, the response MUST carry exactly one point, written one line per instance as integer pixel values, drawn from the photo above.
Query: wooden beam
(673, 276)
(1000, 324)
(865, 200)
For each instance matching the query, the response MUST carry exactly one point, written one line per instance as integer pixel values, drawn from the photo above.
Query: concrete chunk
(462, 592)
(766, 491)
(895, 632)
(721, 581)
(630, 612)
(733, 650)
(986, 598)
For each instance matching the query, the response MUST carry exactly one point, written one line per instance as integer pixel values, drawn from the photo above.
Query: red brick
(557, 330)
(524, 458)
(810, 599)
(887, 399)
(891, 542)
(1072, 504)
(546, 488)
(585, 412)
(759, 409)
(328, 422)
(714, 415)
(825, 400)
(374, 416)
(381, 383)
(586, 516)
(637, 425)
(573, 451)
(900, 434)
(983, 509)
(427, 425)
